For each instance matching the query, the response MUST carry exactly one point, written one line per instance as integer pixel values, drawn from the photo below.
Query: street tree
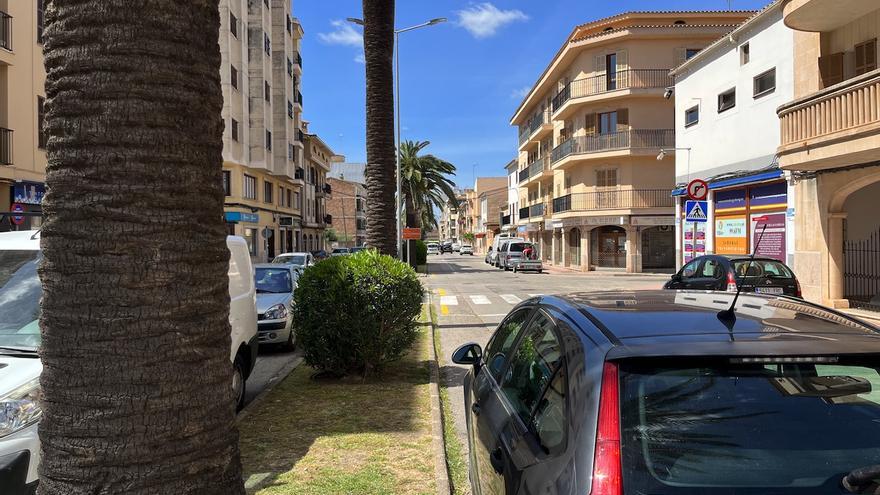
(380, 169)
(136, 385)
(427, 185)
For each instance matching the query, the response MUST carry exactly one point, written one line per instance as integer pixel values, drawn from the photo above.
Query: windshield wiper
(863, 480)
(18, 351)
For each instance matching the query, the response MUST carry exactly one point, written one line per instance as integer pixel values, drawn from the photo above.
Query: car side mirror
(469, 353)
(676, 277)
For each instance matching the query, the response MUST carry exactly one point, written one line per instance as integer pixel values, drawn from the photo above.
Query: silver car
(302, 260)
(275, 284)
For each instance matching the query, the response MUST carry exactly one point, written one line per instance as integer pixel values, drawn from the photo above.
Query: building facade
(510, 210)
(491, 203)
(347, 207)
(726, 133)
(316, 220)
(22, 83)
(592, 192)
(830, 144)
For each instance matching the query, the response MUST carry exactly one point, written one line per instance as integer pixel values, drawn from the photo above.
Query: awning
(735, 181)
(480, 235)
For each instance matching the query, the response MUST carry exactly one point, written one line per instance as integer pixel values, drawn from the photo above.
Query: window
(691, 116)
(548, 421)
(744, 54)
(289, 25)
(690, 52)
(501, 343)
(611, 71)
(764, 83)
(296, 202)
(289, 68)
(227, 183)
(866, 56)
(42, 137)
(268, 189)
(233, 76)
(233, 24)
(268, 140)
(727, 100)
(267, 90)
(289, 197)
(266, 44)
(250, 187)
(289, 151)
(607, 122)
(289, 109)
(690, 270)
(41, 10)
(711, 269)
(234, 129)
(606, 177)
(533, 365)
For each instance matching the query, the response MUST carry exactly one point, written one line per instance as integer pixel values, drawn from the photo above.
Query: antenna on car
(727, 316)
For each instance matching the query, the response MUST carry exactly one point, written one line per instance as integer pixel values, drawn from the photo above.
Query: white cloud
(359, 58)
(343, 34)
(484, 19)
(520, 93)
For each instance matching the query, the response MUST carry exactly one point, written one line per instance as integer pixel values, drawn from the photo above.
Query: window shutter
(590, 123)
(680, 56)
(622, 72)
(622, 119)
(600, 64)
(831, 69)
(866, 56)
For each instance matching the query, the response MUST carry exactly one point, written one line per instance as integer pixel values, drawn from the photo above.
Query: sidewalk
(561, 270)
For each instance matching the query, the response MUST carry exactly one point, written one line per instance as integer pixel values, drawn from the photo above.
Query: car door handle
(496, 458)
(475, 408)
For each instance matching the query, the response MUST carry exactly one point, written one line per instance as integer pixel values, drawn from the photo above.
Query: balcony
(504, 220)
(5, 146)
(825, 15)
(327, 188)
(535, 129)
(632, 140)
(328, 219)
(534, 212)
(298, 59)
(319, 191)
(5, 31)
(535, 169)
(298, 98)
(299, 174)
(624, 199)
(630, 79)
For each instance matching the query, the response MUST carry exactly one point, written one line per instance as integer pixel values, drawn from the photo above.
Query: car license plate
(769, 290)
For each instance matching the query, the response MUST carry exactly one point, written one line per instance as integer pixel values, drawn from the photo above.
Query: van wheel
(238, 383)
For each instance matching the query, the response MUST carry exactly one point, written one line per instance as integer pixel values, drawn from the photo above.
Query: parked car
(717, 272)
(446, 247)
(511, 253)
(456, 246)
(499, 254)
(275, 285)
(357, 249)
(433, 248)
(651, 392)
(20, 365)
(522, 262)
(466, 249)
(341, 251)
(319, 255)
(302, 260)
(488, 258)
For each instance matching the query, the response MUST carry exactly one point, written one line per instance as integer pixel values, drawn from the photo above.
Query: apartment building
(318, 157)
(347, 207)
(448, 224)
(510, 210)
(490, 203)
(592, 192)
(22, 82)
(830, 144)
(727, 134)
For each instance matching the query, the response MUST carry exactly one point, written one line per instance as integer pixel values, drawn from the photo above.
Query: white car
(340, 252)
(433, 248)
(20, 365)
(275, 285)
(456, 246)
(302, 260)
(466, 249)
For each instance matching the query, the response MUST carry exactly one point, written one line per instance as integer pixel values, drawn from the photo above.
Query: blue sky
(460, 81)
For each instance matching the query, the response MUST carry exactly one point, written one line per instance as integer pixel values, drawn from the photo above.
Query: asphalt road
(471, 298)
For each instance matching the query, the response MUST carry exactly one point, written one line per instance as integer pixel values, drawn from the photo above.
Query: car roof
(293, 254)
(277, 266)
(21, 240)
(685, 322)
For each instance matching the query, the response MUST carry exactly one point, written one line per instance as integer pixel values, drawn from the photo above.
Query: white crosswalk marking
(479, 299)
(510, 298)
(535, 295)
(449, 300)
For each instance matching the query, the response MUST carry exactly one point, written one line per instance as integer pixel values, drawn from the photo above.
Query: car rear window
(722, 427)
(762, 268)
(517, 246)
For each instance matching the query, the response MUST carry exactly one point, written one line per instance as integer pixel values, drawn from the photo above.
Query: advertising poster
(730, 235)
(773, 242)
(687, 241)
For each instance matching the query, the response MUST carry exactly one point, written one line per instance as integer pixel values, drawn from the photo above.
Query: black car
(653, 393)
(320, 255)
(717, 272)
(446, 247)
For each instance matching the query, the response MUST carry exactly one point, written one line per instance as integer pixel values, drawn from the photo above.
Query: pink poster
(773, 240)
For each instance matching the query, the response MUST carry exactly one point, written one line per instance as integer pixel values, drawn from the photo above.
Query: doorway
(574, 247)
(609, 246)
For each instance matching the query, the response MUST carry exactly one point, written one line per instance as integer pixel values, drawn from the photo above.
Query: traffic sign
(17, 208)
(697, 189)
(695, 211)
(411, 234)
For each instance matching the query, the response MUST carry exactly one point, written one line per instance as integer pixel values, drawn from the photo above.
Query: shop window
(727, 100)
(765, 83)
(692, 116)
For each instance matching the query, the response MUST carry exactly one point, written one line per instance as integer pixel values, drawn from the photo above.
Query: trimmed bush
(356, 313)
(421, 253)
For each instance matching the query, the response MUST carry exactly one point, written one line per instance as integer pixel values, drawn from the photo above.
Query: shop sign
(657, 220)
(531, 227)
(30, 193)
(730, 235)
(773, 241)
(557, 224)
(241, 217)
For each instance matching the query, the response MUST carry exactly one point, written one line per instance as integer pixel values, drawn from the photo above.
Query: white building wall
(513, 195)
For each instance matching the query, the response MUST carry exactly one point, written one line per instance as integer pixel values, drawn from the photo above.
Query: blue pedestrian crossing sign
(695, 211)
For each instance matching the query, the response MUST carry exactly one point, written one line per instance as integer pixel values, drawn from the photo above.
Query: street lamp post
(399, 200)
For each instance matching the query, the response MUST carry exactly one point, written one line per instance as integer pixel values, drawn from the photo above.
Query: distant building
(347, 207)
(509, 211)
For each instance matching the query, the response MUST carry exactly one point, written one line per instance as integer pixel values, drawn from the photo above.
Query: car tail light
(607, 472)
(731, 282)
(797, 288)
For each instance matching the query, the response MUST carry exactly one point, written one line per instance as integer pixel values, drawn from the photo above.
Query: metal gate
(861, 274)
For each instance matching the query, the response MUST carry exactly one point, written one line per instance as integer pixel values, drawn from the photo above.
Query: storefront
(30, 196)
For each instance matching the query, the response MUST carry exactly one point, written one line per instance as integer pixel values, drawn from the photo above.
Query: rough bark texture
(380, 170)
(137, 378)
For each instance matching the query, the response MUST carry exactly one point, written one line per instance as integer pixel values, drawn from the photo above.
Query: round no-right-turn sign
(697, 189)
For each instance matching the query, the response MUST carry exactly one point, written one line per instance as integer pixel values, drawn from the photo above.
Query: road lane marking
(510, 298)
(441, 292)
(480, 299)
(448, 300)
(444, 309)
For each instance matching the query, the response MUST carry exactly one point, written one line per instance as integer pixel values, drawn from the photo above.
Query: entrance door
(610, 247)
(574, 247)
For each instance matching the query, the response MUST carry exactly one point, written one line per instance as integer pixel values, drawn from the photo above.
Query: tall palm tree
(136, 384)
(426, 184)
(380, 170)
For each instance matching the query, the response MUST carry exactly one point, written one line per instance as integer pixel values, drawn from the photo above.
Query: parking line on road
(510, 298)
(449, 300)
(441, 292)
(480, 299)
(444, 309)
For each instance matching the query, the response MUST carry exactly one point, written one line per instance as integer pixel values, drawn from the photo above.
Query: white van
(20, 365)
(492, 255)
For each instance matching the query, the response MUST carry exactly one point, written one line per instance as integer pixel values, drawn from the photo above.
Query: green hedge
(421, 253)
(354, 314)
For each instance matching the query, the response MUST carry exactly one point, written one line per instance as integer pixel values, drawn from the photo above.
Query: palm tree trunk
(137, 394)
(380, 170)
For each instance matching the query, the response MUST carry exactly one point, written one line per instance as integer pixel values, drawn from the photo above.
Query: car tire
(514, 269)
(540, 271)
(239, 384)
(290, 345)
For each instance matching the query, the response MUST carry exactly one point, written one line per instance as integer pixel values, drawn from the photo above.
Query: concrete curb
(275, 380)
(441, 471)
